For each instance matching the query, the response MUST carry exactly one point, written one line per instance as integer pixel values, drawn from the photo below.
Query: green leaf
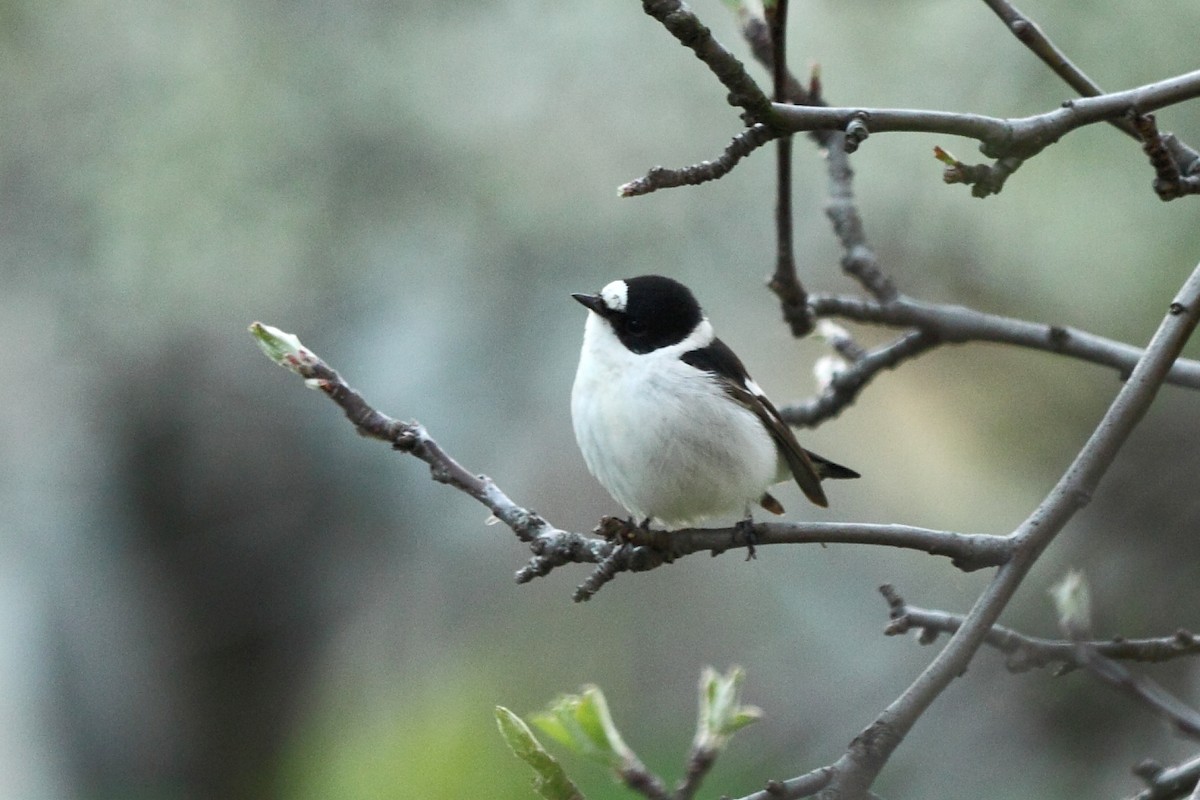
(550, 781)
(721, 714)
(582, 723)
(283, 348)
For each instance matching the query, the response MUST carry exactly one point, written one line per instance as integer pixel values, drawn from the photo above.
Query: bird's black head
(647, 312)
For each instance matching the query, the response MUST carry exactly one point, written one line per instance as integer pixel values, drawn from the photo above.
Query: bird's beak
(593, 302)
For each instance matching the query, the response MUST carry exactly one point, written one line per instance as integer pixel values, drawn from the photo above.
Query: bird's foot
(743, 532)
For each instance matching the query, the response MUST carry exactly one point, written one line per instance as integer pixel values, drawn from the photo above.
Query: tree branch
(1021, 137)
(1032, 652)
(638, 549)
(967, 551)
(619, 547)
(1184, 719)
(1168, 783)
(872, 748)
(1009, 141)
(744, 93)
(741, 146)
(1030, 35)
(551, 545)
(859, 260)
(846, 385)
(785, 282)
(1185, 161)
(958, 324)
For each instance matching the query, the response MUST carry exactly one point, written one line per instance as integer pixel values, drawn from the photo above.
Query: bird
(669, 421)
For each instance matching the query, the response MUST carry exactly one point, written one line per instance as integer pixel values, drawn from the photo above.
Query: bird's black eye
(635, 327)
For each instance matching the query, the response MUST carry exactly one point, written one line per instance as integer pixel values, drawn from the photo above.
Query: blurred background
(213, 589)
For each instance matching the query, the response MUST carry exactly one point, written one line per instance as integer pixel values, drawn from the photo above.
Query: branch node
(775, 788)
(856, 131)
(1148, 770)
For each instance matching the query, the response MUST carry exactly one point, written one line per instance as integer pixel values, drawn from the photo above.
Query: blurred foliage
(550, 780)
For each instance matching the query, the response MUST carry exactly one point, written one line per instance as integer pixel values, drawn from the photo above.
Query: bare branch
(1030, 35)
(1168, 783)
(801, 786)
(957, 324)
(1185, 719)
(639, 549)
(846, 385)
(857, 769)
(1008, 141)
(552, 547)
(758, 36)
(859, 260)
(967, 551)
(785, 282)
(1032, 652)
(677, 18)
(623, 558)
(741, 146)
(1027, 31)
(1019, 137)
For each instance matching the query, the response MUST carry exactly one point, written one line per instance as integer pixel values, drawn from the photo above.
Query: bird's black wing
(720, 361)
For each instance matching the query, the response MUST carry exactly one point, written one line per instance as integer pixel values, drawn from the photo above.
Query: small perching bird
(667, 418)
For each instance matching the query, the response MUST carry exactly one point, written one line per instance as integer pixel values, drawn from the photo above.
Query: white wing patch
(754, 388)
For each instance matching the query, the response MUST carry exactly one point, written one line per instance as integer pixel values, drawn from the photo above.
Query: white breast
(662, 438)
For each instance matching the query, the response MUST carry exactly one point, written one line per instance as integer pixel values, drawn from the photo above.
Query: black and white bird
(667, 418)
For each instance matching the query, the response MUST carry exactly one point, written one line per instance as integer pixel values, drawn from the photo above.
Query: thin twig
(804, 785)
(685, 26)
(1185, 719)
(700, 762)
(1185, 159)
(858, 257)
(848, 384)
(1031, 35)
(1168, 783)
(741, 146)
(957, 324)
(859, 260)
(758, 36)
(785, 282)
(1032, 652)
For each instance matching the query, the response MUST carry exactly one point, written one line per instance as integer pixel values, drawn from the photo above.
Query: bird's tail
(828, 469)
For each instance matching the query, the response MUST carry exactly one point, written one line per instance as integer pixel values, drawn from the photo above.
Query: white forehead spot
(615, 295)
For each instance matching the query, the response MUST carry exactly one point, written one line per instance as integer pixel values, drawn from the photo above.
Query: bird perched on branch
(667, 418)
